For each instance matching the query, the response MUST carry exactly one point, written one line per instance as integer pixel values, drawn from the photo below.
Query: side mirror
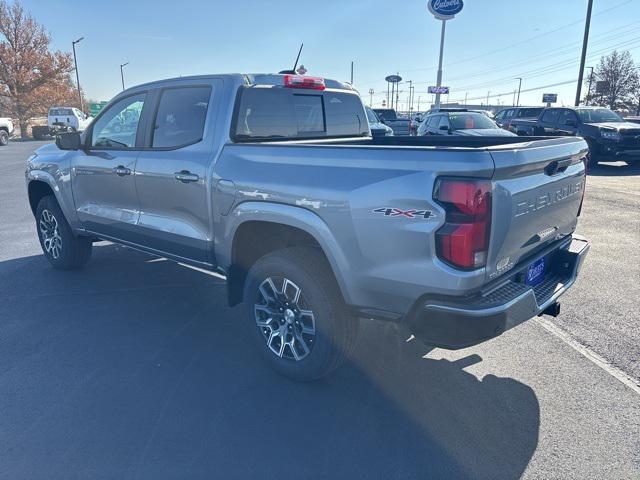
(68, 141)
(571, 123)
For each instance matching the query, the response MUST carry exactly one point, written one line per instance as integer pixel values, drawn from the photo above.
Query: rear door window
(181, 116)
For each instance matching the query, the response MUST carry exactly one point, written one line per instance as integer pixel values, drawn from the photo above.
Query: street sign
(549, 97)
(301, 70)
(441, 90)
(393, 78)
(602, 86)
(445, 9)
(96, 108)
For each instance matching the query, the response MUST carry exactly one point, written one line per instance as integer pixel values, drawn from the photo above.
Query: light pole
(371, 92)
(585, 41)
(488, 93)
(439, 78)
(122, 73)
(75, 63)
(519, 87)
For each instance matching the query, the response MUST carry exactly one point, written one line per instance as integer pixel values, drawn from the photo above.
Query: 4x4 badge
(397, 212)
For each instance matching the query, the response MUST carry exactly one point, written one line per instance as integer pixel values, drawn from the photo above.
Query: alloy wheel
(50, 232)
(284, 318)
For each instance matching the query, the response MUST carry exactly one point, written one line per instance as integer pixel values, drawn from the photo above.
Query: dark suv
(504, 117)
(609, 136)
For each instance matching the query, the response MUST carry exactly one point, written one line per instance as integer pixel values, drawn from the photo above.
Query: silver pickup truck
(275, 182)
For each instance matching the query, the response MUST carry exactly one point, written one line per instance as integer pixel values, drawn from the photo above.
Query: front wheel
(300, 321)
(63, 249)
(4, 138)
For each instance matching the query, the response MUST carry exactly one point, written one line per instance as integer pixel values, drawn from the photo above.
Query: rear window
(60, 111)
(272, 113)
(529, 112)
(470, 120)
(386, 113)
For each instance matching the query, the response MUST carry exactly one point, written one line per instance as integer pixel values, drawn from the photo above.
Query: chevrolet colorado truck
(608, 135)
(275, 182)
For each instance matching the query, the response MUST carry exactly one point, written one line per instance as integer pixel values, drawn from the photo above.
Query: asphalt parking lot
(135, 368)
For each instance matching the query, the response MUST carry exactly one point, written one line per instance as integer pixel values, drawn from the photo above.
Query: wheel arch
(257, 228)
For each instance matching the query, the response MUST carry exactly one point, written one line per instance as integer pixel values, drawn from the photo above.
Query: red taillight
(298, 81)
(463, 241)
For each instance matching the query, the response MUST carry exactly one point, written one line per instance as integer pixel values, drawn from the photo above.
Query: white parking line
(615, 372)
(202, 270)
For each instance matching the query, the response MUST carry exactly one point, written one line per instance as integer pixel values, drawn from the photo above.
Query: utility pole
(409, 100)
(419, 97)
(352, 72)
(439, 79)
(122, 73)
(519, 88)
(585, 42)
(75, 63)
(466, 94)
(387, 93)
(590, 82)
(371, 92)
(488, 93)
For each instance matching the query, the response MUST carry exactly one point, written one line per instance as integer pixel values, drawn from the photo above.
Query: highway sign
(96, 108)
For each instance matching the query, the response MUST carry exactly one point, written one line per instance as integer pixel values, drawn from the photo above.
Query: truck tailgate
(538, 189)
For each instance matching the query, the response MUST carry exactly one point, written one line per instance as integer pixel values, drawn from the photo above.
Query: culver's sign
(445, 9)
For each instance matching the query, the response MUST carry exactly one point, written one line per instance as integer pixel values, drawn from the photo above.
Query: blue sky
(489, 44)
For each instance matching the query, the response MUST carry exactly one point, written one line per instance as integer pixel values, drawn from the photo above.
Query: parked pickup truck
(608, 135)
(275, 182)
(400, 126)
(6, 130)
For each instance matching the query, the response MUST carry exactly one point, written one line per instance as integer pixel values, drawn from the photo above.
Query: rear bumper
(460, 323)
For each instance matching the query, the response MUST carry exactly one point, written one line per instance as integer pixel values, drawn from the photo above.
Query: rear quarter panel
(382, 261)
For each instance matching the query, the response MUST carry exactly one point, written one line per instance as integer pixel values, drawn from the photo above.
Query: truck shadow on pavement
(135, 368)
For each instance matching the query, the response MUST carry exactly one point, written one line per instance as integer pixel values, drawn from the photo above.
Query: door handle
(185, 176)
(121, 171)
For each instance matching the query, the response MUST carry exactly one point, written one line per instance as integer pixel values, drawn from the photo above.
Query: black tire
(592, 160)
(65, 251)
(4, 138)
(335, 329)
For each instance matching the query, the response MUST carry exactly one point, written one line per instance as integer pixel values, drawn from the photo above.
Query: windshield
(469, 120)
(371, 116)
(598, 115)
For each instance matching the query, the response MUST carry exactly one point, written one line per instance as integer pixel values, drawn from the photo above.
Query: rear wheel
(299, 320)
(4, 138)
(63, 249)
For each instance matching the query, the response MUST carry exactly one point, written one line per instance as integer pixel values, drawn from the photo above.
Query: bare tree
(28, 68)
(622, 81)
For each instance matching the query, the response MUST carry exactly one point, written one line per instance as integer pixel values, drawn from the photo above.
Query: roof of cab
(246, 78)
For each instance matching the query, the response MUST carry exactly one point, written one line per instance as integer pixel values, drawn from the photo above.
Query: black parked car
(461, 123)
(609, 136)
